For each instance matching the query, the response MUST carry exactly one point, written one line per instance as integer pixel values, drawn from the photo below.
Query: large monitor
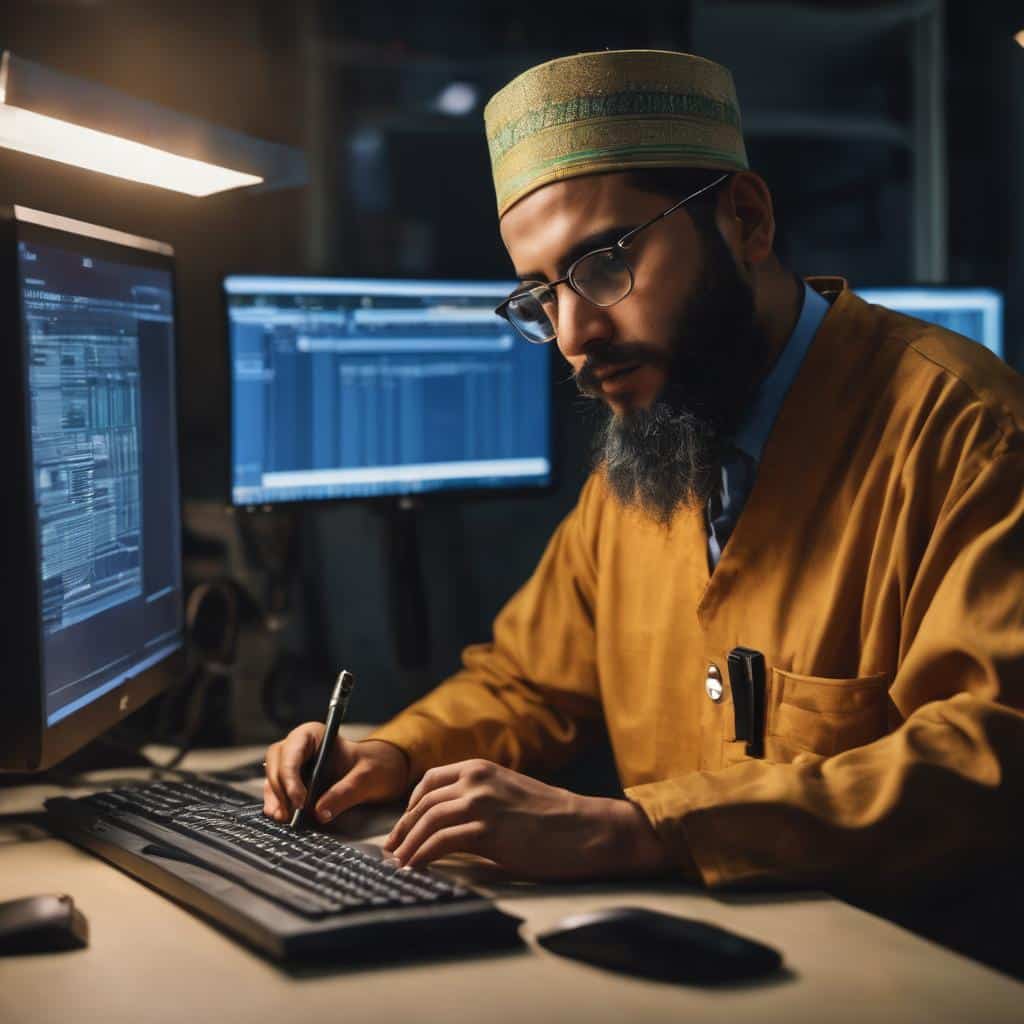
(976, 313)
(93, 523)
(359, 388)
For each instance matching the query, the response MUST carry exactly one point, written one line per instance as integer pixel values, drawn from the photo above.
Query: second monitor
(356, 388)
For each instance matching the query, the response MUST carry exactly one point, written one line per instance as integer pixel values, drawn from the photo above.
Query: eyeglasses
(603, 277)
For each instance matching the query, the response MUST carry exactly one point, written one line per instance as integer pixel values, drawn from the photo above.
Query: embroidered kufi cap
(611, 110)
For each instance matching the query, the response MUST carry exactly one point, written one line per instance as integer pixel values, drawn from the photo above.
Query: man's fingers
(444, 815)
(437, 777)
(298, 747)
(349, 790)
(408, 820)
(271, 805)
(273, 781)
(465, 838)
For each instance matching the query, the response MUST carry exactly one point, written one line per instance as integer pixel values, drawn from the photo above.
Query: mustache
(607, 356)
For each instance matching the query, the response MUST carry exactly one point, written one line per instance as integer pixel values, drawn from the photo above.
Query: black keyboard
(319, 884)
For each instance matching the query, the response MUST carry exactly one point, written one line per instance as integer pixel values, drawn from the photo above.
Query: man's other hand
(531, 829)
(359, 772)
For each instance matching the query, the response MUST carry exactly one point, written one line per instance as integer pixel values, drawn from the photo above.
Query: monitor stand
(99, 755)
(408, 590)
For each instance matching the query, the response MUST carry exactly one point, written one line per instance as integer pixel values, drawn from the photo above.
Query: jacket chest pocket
(823, 716)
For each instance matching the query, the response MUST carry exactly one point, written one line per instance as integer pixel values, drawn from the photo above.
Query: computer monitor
(92, 543)
(360, 388)
(976, 313)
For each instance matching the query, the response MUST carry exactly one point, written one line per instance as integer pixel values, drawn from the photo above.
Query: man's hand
(529, 828)
(368, 771)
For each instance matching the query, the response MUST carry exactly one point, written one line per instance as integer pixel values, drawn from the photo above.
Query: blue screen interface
(976, 313)
(354, 388)
(100, 345)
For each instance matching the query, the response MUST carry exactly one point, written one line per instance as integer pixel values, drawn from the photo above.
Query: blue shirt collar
(757, 425)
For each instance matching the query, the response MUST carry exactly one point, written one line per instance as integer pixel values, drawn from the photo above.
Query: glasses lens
(602, 277)
(528, 312)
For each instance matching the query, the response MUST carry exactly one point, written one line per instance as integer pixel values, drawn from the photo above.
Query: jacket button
(713, 683)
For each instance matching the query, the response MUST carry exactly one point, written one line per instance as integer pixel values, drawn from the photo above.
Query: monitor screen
(357, 388)
(976, 313)
(99, 462)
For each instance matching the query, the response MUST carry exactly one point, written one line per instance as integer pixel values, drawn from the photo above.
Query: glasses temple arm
(623, 242)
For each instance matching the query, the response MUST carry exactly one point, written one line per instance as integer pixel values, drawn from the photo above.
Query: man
(876, 571)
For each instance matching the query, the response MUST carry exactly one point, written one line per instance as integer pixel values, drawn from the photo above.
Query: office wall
(339, 79)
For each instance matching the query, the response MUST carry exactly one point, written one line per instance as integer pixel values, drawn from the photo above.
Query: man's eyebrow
(597, 240)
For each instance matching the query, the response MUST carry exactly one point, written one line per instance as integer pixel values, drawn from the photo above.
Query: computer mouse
(652, 944)
(42, 924)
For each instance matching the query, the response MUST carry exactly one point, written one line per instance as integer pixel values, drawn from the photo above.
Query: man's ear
(746, 218)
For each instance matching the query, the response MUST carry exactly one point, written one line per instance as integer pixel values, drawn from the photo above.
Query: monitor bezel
(27, 741)
(435, 495)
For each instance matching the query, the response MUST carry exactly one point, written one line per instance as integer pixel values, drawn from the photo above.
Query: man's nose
(580, 324)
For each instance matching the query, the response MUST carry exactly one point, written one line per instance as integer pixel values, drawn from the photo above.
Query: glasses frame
(621, 246)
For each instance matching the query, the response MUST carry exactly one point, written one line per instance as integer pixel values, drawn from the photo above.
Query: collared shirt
(862, 624)
(739, 468)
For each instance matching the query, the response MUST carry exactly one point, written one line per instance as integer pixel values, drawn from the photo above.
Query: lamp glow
(48, 137)
(1020, 37)
(457, 99)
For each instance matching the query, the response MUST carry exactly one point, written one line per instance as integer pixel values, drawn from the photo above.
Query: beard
(669, 455)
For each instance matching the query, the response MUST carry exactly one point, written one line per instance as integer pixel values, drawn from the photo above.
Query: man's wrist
(402, 762)
(631, 845)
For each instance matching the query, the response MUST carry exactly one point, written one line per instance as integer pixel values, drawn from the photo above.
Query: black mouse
(651, 944)
(42, 924)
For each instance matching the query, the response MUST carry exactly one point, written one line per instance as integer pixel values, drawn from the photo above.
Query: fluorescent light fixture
(38, 135)
(54, 116)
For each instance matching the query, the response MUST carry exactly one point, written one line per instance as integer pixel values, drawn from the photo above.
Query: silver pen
(336, 711)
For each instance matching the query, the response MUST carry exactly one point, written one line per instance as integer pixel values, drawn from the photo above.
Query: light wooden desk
(149, 961)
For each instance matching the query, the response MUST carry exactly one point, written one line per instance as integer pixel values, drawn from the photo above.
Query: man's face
(551, 227)
(675, 361)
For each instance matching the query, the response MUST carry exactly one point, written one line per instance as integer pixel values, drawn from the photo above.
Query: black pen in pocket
(747, 682)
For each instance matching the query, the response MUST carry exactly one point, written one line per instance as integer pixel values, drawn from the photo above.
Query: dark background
(866, 186)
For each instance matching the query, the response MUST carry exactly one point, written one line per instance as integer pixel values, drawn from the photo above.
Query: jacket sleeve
(528, 698)
(945, 789)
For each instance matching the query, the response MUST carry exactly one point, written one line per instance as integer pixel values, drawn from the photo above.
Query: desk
(149, 961)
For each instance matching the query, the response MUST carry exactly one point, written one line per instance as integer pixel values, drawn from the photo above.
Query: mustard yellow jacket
(878, 565)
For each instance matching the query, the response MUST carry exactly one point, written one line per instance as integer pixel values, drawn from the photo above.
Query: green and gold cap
(612, 110)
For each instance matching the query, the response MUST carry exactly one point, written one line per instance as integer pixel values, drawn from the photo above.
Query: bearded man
(792, 586)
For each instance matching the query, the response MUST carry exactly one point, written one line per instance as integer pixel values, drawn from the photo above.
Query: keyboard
(289, 892)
